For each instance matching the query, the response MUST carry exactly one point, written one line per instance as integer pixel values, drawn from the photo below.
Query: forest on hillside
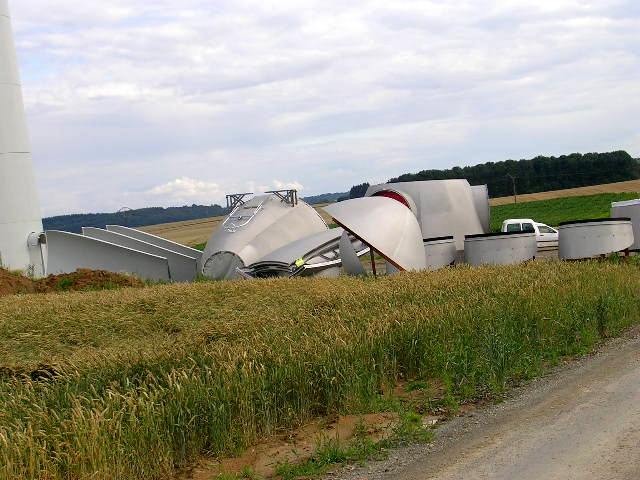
(539, 174)
(132, 218)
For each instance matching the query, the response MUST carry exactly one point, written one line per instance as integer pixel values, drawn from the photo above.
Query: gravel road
(582, 421)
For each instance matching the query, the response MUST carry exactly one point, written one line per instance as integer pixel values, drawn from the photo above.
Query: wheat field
(139, 383)
(631, 186)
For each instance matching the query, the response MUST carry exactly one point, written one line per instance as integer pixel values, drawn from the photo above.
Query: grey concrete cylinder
(582, 239)
(439, 252)
(499, 248)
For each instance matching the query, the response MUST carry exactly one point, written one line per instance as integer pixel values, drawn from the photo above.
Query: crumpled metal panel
(317, 255)
(387, 225)
(300, 249)
(69, 251)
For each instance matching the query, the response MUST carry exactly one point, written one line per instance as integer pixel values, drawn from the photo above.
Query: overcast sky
(138, 103)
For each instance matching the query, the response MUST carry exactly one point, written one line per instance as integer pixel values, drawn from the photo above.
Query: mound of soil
(13, 283)
(87, 280)
(80, 280)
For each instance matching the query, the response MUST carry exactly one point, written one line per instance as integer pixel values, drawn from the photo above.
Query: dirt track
(580, 422)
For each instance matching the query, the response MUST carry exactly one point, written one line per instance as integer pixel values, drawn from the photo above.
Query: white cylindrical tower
(19, 208)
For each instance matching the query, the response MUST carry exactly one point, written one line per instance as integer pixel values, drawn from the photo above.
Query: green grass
(329, 454)
(361, 447)
(137, 383)
(557, 210)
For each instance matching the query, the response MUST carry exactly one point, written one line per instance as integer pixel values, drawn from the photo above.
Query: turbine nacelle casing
(442, 207)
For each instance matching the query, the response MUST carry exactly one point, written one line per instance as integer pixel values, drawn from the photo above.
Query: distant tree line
(324, 198)
(132, 218)
(538, 174)
(535, 175)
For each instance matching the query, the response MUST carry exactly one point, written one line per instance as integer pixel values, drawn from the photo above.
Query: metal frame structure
(230, 226)
(289, 197)
(236, 199)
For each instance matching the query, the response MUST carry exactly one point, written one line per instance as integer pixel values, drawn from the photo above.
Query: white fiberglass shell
(442, 207)
(439, 252)
(591, 238)
(181, 267)
(351, 264)
(481, 200)
(155, 240)
(630, 209)
(19, 207)
(386, 225)
(259, 226)
(500, 248)
(69, 251)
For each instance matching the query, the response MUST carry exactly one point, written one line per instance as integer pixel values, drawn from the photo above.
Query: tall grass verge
(138, 383)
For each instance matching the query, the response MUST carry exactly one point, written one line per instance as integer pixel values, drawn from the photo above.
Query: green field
(137, 383)
(557, 210)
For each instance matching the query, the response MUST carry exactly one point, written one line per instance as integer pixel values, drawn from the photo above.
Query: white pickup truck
(546, 236)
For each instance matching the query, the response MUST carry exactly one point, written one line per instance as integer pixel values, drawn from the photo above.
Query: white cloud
(127, 94)
(278, 185)
(185, 189)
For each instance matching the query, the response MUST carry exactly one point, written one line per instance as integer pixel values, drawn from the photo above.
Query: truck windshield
(528, 227)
